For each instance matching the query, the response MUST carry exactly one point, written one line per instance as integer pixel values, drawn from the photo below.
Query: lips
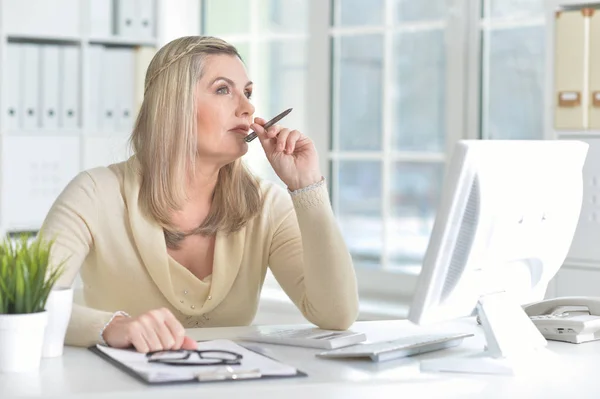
(241, 129)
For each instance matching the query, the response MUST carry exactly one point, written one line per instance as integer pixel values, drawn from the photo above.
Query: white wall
(178, 18)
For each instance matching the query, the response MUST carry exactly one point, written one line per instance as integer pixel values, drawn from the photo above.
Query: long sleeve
(310, 260)
(70, 222)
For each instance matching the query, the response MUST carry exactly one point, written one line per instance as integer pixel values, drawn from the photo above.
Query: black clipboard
(144, 379)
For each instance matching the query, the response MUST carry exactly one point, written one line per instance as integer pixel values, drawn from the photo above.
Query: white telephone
(573, 319)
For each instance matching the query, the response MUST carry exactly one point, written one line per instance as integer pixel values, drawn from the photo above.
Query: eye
(223, 90)
(248, 94)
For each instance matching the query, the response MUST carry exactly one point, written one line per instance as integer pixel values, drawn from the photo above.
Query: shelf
(123, 41)
(50, 39)
(577, 133)
(44, 133)
(99, 134)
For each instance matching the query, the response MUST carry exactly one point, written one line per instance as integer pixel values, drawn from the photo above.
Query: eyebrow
(228, 81)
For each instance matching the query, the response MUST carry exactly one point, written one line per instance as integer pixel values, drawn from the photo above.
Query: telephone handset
(573, 319)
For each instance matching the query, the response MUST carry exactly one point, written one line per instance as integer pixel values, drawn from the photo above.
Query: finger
(189, 343)
(136, 337)
(149, 333)
(260, 121)
(273, 131)
(176, 329)
(282, 139)
(292, 140)
(267, 144)
(259, 129)
(163, 333)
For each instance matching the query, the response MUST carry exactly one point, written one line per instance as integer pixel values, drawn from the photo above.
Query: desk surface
(81, 374)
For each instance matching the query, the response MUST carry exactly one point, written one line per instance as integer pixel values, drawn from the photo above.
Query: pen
(267, 125)
(228, 374)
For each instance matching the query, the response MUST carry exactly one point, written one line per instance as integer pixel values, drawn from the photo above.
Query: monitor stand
(513, 343)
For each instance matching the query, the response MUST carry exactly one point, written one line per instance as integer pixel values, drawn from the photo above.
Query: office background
(383, 87)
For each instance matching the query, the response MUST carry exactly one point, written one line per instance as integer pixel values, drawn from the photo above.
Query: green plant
(26, 275)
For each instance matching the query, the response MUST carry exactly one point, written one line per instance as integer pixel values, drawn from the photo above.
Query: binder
(126, 24)
(30, 67)
(69, 85)
(13, 112)
(41, 17)
(108, 96)
(569, 76)
(50, 63)
(594, 71)
(124, 89)
(254, 365)
(143, 57)
(95, 82)
(145, 11)
(100, 18)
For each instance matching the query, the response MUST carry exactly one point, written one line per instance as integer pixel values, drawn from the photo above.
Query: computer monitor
(503, 228)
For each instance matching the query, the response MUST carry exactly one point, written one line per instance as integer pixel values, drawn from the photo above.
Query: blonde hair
(164, 141)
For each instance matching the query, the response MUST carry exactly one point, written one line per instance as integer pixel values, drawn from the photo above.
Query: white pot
(58, 306)
(21, 341)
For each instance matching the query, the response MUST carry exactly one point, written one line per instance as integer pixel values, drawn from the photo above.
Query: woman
(181, 234)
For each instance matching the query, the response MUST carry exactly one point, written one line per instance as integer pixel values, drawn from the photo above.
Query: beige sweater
(124, 265)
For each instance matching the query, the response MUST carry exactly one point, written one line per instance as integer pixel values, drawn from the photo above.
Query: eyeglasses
(183, 357)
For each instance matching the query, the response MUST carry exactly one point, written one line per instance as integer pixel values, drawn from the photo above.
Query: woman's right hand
(155, 330)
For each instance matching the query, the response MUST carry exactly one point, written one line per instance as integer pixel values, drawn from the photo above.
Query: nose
(245, 107)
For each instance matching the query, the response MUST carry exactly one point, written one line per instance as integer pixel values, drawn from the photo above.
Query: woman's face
(223, 109)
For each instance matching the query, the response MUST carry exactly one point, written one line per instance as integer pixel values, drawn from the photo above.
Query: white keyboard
(403, 347)
(307, 337)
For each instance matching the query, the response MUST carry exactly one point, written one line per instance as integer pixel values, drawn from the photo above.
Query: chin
(234, 156)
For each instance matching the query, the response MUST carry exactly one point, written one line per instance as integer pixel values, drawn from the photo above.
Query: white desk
(81, 374)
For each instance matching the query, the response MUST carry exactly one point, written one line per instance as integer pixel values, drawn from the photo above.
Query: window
(271, 37)
(513, 69)
(389, 128)
(385, 88)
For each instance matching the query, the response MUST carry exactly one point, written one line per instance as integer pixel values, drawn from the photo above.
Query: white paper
(157, 372)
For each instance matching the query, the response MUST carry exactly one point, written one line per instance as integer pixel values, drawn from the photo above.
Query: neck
(201, 186)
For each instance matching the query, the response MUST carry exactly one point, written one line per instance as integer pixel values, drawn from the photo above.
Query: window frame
(387, 283)
(464, 111)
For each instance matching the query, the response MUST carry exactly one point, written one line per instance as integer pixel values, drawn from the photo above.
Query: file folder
(30, 67)
(126, 21)
(124, 89)
(100, 18)
(569, 70)
(41, 17)
(13, 112)
(143, 57)
(95, 81)
(594, 71)
(108, 96)
(50, 63)
(145, 10)
(70, 83)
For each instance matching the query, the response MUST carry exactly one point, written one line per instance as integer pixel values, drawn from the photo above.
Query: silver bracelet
(117, 313)
(308, 188)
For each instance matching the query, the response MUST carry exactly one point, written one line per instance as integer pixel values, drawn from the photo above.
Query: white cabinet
(62, 62)
(35, 171)
(576, 281)
(580, 274)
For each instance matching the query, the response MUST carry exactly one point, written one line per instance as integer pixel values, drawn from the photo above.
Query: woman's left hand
(292, 155)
